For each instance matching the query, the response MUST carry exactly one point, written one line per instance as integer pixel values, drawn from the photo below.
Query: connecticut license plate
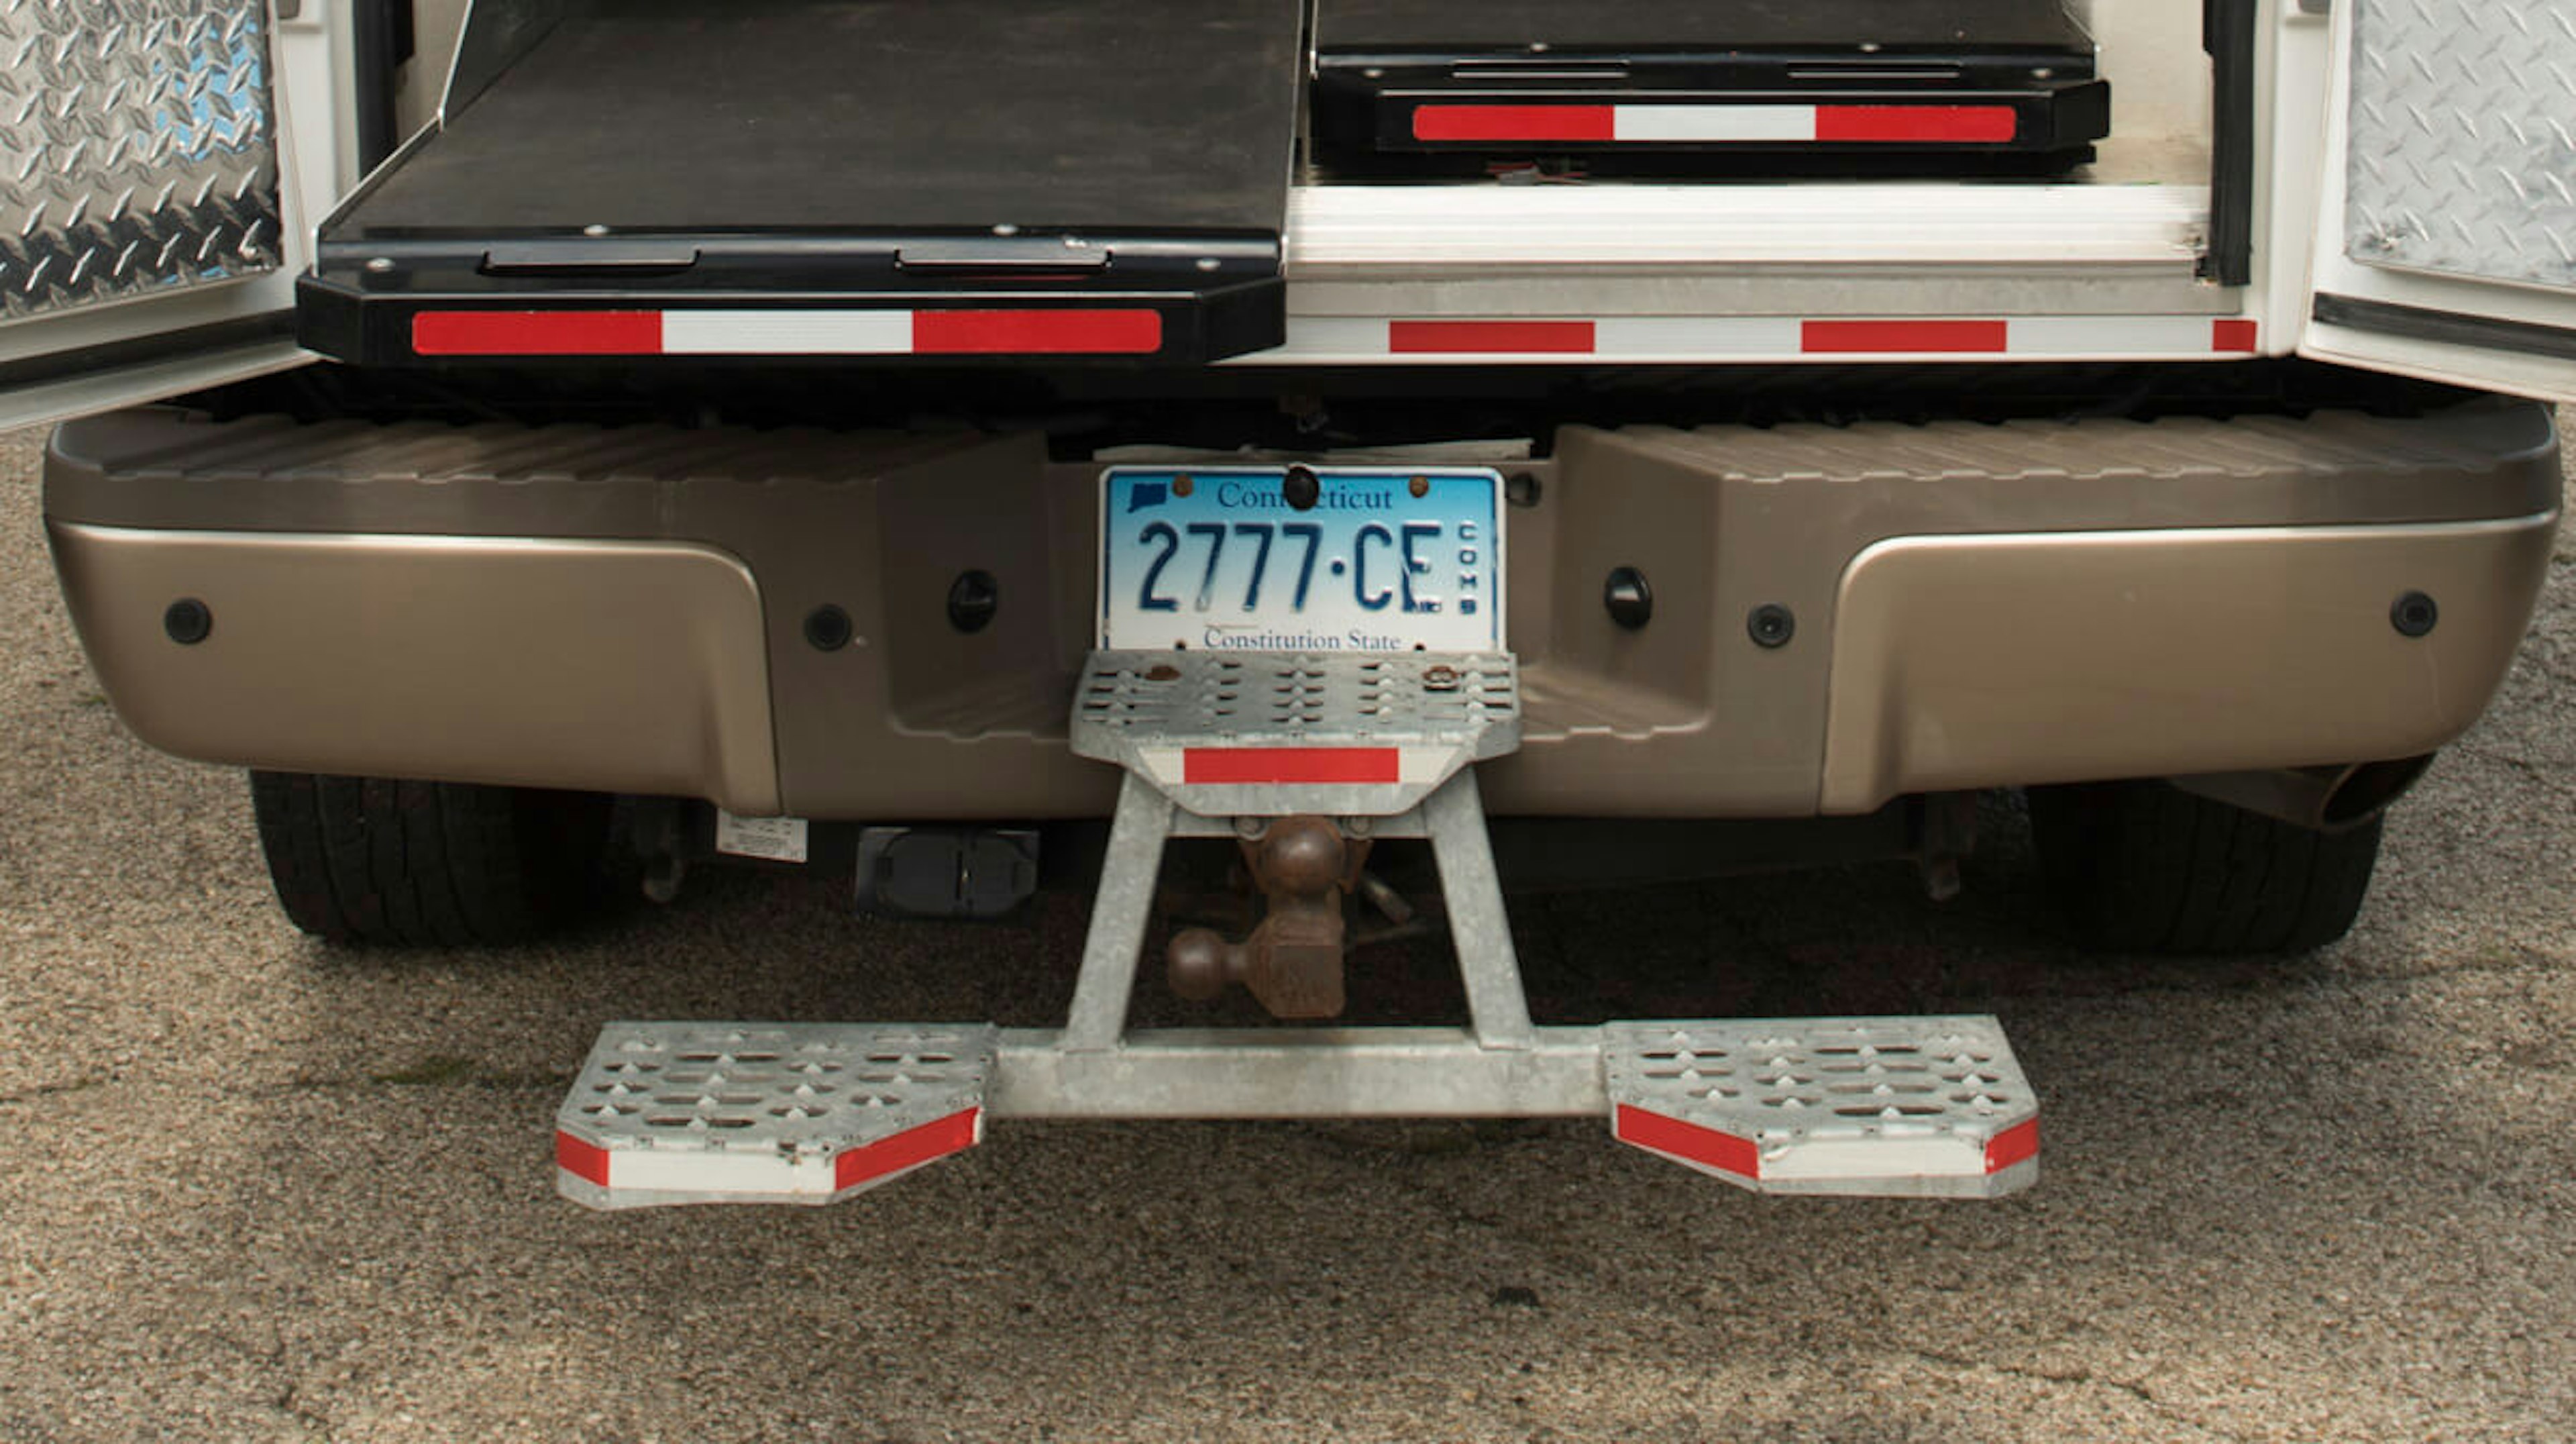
(1303, 559)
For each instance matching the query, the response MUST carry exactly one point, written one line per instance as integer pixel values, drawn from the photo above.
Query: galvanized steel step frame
(1213, 744)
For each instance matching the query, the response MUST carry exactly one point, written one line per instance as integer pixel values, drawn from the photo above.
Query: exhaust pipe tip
(2369, 789)
(2322, 799)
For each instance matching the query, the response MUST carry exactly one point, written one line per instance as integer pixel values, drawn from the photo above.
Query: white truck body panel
(1713, 274)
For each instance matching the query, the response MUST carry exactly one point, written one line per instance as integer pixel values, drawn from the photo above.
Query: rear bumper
(1974, 606)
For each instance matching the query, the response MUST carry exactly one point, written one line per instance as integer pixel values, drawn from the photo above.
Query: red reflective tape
(1237, 766)
(1687, 1141)
(2234, 335)
(1126, 332)
(2016, 1144)
(536, 333)
(909, 1149)
(1951, 124)
(1492, 338)
(1515, 122)
(1864, 337)
(585, 1161)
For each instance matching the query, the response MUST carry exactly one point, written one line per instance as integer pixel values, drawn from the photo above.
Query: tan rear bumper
(1974, 606)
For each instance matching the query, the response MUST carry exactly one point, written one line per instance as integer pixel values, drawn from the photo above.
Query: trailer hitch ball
(1293, 961)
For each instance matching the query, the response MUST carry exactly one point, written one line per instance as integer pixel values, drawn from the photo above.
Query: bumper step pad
(1268, 733)
(1915, 1107)
(667, 1113)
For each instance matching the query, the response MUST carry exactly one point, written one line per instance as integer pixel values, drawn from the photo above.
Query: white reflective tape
(1826, 1159)
(2114, 336)
(1636, 337)
(762, 1171)
(1713, 122)
(1424, 765)
(786, 333)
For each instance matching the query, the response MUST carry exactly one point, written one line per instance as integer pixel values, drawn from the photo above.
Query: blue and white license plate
(1386, 559)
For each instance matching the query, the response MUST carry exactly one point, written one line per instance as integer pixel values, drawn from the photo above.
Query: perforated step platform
(809, 1113)
(1272, 733)
(1917, 1106)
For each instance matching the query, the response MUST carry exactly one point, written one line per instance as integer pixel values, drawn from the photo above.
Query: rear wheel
(2144, 867)
(429, 864)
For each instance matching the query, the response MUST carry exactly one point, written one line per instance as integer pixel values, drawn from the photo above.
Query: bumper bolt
(1628, 598)
(188, 621)
(827, 629)
(1771, 626)
(2414, 614)
(973, 599)
(1301, 488)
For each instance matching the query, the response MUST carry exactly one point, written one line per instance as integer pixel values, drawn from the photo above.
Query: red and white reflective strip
(1824, 1160)
(1703, 124)
(1684, 339)
(1297, 766)
(783, 331)
(767, 1173)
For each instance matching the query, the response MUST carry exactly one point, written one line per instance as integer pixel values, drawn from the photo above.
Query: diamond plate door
(2463, 139)
(137, 153)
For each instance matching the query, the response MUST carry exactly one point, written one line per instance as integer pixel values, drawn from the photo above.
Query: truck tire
(429, 864)
(2144, 867)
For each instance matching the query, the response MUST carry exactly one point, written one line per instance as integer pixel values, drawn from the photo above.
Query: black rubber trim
(141, 350)
(2448, 327)
(2227, 33)
(381, 39)
(2061, 117)
(1202, 323)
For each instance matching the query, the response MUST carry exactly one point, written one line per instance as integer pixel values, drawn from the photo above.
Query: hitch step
(1920, 1107)
(811, 1113)
(1222, 746)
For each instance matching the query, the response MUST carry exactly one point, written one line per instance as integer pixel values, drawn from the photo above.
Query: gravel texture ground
(251, 1188)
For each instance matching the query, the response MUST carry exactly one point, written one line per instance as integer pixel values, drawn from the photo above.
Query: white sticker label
(779, 839)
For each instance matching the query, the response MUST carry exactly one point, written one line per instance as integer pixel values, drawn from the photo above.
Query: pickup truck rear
(1399, 451)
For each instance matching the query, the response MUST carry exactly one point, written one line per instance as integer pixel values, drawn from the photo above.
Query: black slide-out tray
(891, 178)
(1795, 85)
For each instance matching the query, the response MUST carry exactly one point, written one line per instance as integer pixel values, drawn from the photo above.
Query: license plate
(1385, 559)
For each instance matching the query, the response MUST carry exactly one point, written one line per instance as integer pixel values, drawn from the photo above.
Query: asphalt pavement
(253, 1188)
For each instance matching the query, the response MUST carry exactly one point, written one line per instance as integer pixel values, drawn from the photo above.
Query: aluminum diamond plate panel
(1898, 1106)
(766, 1113)
(2463, 139)
(1269, 733)
(136, 151)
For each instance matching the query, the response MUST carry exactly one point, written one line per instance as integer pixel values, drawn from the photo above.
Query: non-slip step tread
(1272, 733)
(667, 1113)
(1885, 1106)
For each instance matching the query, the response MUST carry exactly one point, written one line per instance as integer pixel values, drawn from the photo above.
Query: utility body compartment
(883, 184)
(1972, 87)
